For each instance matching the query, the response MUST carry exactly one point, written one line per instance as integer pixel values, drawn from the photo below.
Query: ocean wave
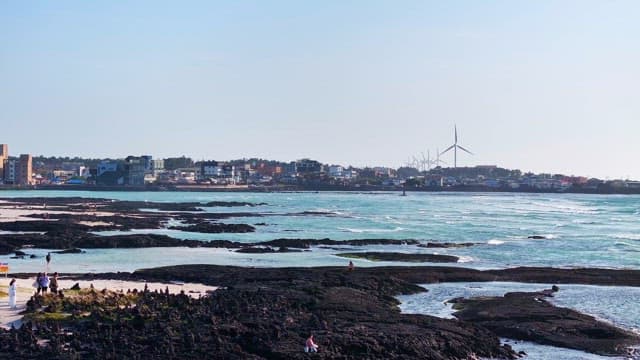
(626, 244)
(570, 208)
(583, 222)
(465, 259)
(359, 231)
(626, 236)
(495, 242)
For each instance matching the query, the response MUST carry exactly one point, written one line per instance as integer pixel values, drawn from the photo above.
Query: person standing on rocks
(37, 283)
(53, 285)
(310, 346)
(12, 293)
(44, 283)
(48, 258)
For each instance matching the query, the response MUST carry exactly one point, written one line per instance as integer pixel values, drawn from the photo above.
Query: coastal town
(183, 173)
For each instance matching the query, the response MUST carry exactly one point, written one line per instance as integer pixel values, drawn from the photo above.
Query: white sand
(25, 291)
(19, 213)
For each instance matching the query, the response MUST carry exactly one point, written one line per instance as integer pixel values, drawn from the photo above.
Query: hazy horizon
(541, 86)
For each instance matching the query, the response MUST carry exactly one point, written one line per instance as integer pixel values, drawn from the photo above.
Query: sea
(571, 230)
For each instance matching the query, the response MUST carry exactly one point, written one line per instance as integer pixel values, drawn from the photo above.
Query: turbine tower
(455, 148)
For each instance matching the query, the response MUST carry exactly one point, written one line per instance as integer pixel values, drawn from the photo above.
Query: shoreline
(314, 188)
(266, 312)
(13, 317)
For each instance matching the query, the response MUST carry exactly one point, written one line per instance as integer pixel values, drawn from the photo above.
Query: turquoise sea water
(579, 231)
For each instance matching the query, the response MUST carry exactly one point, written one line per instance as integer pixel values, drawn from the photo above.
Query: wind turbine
(455, 148)
(438, 161)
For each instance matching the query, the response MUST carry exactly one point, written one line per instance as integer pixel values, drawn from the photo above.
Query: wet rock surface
(215, 228)
(257, 315)
(64, 238)
(394, 256)
(527, 316)
(101, 204)
(268, 312)
(266, 250)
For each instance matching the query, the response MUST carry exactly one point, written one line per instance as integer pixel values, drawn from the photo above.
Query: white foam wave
(359, 231)
(571, 208)
(626, 236)
(495, 242)
(584, 222)
(465, 259)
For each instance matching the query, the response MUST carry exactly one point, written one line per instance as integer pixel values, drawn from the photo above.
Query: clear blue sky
(547, 86)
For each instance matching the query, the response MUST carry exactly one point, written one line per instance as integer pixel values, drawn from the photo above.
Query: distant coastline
(322, 188)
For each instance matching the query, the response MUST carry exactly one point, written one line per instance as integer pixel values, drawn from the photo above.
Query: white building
(336, 171)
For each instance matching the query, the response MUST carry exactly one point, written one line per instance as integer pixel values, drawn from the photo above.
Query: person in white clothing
(12, 293)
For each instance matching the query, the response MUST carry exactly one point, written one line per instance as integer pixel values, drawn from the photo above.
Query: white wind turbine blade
(455, 129)
(449, 148)
(463, 149)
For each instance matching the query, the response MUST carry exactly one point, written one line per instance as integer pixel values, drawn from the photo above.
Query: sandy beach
(10, 317)
(9, 212)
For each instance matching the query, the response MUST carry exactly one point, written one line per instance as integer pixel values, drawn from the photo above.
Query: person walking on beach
(12, 293)
(53, 284)
(310, 346)
(48, 258)
(351, 266)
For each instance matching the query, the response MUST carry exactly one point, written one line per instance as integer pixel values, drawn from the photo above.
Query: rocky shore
(527, 316)
(268, 312)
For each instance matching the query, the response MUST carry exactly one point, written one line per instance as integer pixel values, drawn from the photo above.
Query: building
(10, 169)
(134, 168)
(217, 172)
(157, 164)
(24, 173)
(307, 166)
(336, 171)
(4, 155)
(147, 162)
(290, 169)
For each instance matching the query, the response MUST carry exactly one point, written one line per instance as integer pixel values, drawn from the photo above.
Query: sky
(543, 86)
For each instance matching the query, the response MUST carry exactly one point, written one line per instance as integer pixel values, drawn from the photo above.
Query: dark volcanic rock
(265, 250)
(393, 256)
(215, 228)
(41, 226)
(69, 251)
(262, 313)
(85, 204)
(232, 203)
(536, 237)
(5, 248)
(267, 312)
(527, 316)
